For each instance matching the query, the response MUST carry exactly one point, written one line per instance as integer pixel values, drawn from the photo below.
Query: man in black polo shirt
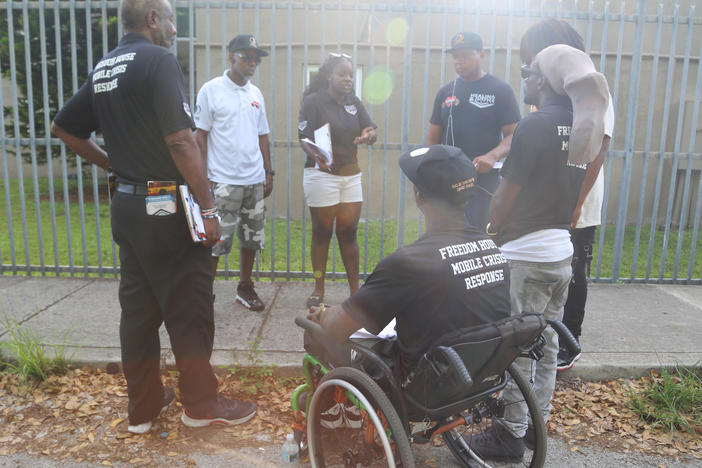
(454, 276)
(136, 98)
(530, 216)
(478, 113)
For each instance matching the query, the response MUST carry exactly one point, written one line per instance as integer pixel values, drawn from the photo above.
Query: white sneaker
(143, 428)
(333, 418)
(352, 416)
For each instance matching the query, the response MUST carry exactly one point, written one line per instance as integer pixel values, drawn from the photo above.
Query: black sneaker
(565, 360)
(497, 444)
(221, 411)
(168, 397)
(246, 294)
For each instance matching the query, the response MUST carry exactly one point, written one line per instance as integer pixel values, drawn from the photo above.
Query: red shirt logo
(255, 104)
(451, 101)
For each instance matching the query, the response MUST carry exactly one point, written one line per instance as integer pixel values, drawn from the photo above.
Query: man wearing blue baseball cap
(438, 283)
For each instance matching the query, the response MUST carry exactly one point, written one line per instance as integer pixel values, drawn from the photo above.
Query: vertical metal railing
(653, 188)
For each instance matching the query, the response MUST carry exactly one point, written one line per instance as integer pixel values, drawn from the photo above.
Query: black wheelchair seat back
(440, 384)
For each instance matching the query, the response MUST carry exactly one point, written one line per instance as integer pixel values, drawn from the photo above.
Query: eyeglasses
(527, 72)
(249, 58)
(340, 55)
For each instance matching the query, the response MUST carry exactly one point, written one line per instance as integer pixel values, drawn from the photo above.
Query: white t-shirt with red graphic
(234, 116)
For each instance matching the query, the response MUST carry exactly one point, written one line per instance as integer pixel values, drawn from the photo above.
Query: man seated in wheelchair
(453, 277)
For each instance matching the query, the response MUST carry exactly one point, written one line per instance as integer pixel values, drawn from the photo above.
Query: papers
(385, 333)
(322, 141)
(192, 214)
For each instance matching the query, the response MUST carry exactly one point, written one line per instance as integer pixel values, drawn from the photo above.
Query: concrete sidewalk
(628, 328)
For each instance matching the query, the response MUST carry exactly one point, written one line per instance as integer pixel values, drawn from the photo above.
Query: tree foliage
(69, 55)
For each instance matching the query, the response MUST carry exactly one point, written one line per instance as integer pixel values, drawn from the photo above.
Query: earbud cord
(449, 123)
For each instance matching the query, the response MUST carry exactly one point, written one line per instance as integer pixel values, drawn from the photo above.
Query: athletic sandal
(168, 398)
(221, 411)
(314, 300)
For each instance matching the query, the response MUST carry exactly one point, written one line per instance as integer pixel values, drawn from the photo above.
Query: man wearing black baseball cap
(438, 283)
(476, 112)
(232, 132)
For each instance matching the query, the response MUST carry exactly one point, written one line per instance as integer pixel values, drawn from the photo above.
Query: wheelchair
(456, 390)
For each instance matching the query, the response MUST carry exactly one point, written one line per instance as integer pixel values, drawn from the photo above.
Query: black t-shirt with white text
(471, 114)
(135, 96)
(346, 121)
(447, 279)
(538, 162)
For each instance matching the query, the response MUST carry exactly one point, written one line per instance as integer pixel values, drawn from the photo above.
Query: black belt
(132, 189)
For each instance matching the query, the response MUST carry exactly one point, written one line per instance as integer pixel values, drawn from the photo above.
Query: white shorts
(324, 189)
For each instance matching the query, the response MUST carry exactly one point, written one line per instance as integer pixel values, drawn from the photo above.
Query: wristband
(209, 211)
(210, 216)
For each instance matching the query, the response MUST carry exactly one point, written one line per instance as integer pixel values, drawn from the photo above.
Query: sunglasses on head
(527, 72)
(249, 58)
(340, 55)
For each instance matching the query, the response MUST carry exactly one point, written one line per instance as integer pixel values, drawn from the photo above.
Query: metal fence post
(629, 142)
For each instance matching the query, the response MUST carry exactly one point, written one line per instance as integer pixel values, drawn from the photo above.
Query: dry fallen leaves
(598, 413)
(82, 416)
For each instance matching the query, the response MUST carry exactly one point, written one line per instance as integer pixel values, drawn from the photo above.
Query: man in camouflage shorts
(232, 132)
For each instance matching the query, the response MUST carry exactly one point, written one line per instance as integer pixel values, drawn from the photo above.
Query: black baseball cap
(440, 172)
(246, 41)
(466, 40)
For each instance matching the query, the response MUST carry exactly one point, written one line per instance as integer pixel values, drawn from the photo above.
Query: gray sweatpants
(540, 288)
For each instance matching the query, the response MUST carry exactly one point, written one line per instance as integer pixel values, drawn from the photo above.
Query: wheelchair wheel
(483, 419)
(378, 440)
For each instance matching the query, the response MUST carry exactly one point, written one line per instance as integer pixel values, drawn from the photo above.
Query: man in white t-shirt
(586, 217)
(232, 132)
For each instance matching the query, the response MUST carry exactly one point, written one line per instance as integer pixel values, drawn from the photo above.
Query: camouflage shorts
(241, 207)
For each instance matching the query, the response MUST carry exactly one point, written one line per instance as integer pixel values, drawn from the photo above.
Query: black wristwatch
(271, 172)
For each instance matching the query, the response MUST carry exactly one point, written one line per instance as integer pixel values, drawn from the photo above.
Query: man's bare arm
(502, 203)
(83, 147)
(201, 139)
(265, 147)
(433, 135)
(187, 158)
(593, 171)
(335, 321)
(485, 162)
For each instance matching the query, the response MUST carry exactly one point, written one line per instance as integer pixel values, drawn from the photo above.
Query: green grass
(625, 271)
(23, 354)
(64, 252)
(672, 399)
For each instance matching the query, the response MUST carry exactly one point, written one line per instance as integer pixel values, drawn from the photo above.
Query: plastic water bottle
(291, 451)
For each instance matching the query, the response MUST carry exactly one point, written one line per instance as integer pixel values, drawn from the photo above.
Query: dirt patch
(81, 417)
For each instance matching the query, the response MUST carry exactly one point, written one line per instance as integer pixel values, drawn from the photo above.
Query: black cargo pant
(165, 278)
(574, 310)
